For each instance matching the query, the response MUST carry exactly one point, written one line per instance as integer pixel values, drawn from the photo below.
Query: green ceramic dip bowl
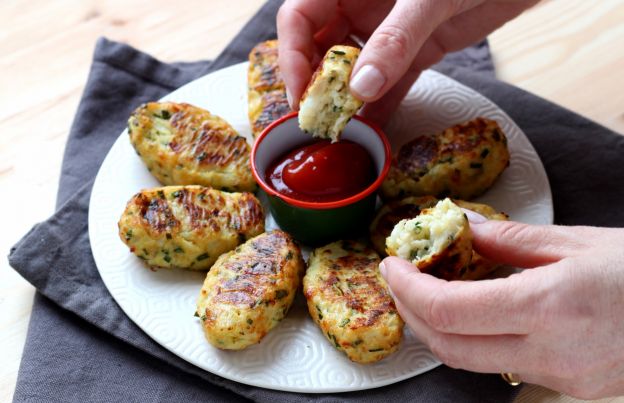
(315, 223)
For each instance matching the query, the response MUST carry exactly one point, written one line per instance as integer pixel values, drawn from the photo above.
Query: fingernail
(474, 218)
(367, 81)
(289, 98)
(382, 269)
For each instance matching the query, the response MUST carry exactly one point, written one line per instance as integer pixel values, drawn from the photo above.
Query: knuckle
(439, 316)
(441, 348)
(282, 14)
(514, 231)
(393, 40)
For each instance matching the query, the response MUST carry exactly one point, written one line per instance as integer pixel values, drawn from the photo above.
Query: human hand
(559, 324)
(403, 37)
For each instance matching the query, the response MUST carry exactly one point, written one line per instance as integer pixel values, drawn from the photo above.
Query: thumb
(522, 245)
(392, 47)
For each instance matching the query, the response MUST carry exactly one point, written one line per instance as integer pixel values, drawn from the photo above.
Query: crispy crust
(182, 144)
(350, 302)
(462, 162)
(266, 94)
(188, 226)
(250, 290)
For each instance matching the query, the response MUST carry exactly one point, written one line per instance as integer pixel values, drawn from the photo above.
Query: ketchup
(322, 171)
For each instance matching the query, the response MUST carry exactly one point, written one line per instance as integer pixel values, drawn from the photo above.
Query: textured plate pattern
(295, 356)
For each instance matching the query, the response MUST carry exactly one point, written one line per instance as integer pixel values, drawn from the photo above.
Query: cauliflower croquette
(438, 241)
(350, 302)
(182, 144)
(266, 96)
(249, 290)
(461, 162)
(188, 227)
(327, 104)
(394, 211)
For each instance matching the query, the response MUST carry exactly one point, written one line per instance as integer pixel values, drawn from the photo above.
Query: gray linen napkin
(82, 347)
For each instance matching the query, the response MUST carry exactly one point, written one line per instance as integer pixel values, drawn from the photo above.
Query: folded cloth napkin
(82, 347)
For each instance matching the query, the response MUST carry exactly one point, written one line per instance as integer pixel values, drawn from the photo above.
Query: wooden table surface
(568, 51)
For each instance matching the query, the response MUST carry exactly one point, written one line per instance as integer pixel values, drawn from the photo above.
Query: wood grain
(568, 51)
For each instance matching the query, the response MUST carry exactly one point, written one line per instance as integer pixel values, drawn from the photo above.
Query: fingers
(297, 23)
(523, 245)
(514, 305)
(391, 49)
(474, 353)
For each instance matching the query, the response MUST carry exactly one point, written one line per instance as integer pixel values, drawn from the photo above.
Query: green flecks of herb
(344, 322)
(202, 156)
(167, 258)
(337, 108)
(476, 165)
(485, 152)
(358, 342)
(161, 194)
(178, 250)
(168, 236)
(196, 314)
(333, 339)
(345, 61)
(417, 227)
(129, 128)
(203, 318)
(250, 321)
(338, 289)
(448, 160)
(451, 238)
(338, 52)
(413, 254)
(142, 257)
(145, 252)
(177, 193)
(129, 234)
(320, 313)
(289, 255)
(279, 294)
(165, 114)
(349, 247)
(375, 350)
(203, 256)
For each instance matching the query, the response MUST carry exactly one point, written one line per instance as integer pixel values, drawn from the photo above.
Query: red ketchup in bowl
(322, 171)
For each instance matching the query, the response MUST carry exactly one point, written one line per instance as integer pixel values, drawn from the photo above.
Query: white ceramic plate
(294, 356)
